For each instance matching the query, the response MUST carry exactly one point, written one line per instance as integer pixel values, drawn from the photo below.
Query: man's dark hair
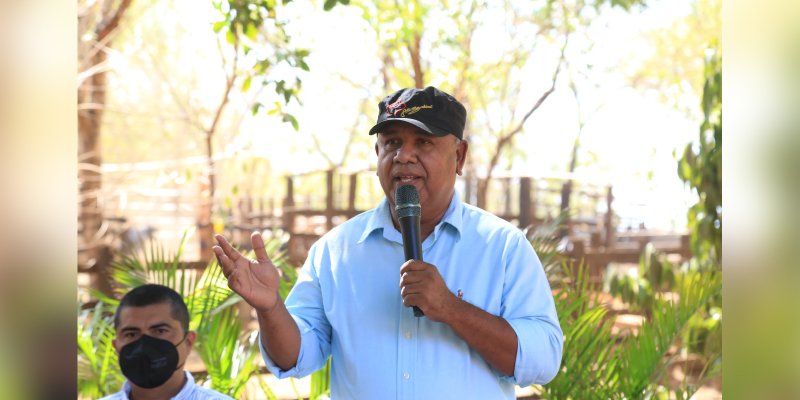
(150, 294)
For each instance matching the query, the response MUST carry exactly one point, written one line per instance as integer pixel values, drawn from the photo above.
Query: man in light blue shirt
(489, 318)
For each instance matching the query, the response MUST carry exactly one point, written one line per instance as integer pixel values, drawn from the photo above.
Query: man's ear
(190, 338)
(461, 155)
(114, 343)
(376, 147)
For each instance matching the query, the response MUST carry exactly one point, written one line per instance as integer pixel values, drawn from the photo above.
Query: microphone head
(407, 201)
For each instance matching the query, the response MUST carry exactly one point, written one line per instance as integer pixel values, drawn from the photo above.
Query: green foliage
(598, 364)
(545, 240)
(701, 168)
(98, 368)
(704, 335)
(588, 355)
(329, 4)
(254, 28)
(642, 364)
(228, 351)
(656, 274)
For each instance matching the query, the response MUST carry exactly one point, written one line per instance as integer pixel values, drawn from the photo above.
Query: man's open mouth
(406, 179)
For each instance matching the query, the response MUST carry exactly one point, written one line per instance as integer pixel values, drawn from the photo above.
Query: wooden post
(351, 195)
(329, 200)
(507, 199)
(609, 220)
(686, 247)
(524, 202)
(288, 206)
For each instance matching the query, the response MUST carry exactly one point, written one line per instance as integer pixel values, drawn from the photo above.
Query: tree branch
(109, 24)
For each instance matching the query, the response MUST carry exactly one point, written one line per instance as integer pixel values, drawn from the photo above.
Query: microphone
(408, 212)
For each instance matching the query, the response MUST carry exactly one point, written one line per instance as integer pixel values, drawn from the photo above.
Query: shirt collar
(186, 390)
(381, 218)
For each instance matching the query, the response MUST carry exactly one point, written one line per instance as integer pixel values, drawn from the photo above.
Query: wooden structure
(303, 218)
(315, 202)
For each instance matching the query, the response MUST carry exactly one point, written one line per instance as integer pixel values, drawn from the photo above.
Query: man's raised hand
(257, 281)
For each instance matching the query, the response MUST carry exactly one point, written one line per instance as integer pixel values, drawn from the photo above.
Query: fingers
(258, 247)
(227, 249)
(226, 255)
(414, 265)
(224, 262)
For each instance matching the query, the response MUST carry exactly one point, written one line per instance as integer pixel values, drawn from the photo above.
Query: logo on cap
(395, 108)
(400, 109)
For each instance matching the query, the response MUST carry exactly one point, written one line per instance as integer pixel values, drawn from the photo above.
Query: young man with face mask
(489, 321)
(153, 341)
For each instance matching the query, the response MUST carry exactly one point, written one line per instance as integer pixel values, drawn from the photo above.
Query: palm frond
(588, 355)
(642, 355)
(546, 242)
(98, 374)
(228, 355)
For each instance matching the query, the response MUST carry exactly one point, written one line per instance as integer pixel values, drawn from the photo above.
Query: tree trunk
(91, 99)
(91, 103)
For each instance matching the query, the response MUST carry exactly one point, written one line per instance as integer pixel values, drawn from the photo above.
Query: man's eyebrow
(160, 325)
(129, 329)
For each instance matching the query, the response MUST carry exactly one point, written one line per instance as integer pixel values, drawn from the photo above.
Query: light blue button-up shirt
(347, 305)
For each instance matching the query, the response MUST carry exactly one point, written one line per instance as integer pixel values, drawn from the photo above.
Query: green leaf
(251, 32)
(256, 108)
(329, 4)
(291, 119)
(219, 25)
(246, 83)
(275, 109)
(302, 64)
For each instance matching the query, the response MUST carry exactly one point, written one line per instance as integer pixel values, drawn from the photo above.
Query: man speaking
(488, 318)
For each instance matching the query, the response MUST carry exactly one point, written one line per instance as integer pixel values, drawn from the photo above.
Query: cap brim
(427, 128)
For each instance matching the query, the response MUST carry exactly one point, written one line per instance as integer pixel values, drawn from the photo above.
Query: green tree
(424, 43)
(675, 70)
(701, 168)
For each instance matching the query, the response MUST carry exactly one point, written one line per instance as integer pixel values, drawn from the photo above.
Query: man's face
(408, 155)
(156, 321)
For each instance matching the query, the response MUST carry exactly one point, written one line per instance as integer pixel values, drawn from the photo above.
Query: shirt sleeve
(529, 308)
(304, 303)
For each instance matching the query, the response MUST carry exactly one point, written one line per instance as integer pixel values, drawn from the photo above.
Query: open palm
(257, 281)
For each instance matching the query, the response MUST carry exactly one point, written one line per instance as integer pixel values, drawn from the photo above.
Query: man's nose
(407, 153)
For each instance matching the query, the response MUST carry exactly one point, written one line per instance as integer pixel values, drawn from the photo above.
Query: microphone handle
(412, 246)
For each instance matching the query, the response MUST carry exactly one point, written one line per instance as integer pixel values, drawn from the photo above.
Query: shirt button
(406, 376)
(407, 334)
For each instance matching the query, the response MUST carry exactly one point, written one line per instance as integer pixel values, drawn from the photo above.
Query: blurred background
(585, 118)
(194, 114)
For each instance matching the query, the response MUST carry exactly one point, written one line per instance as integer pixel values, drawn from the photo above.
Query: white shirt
(190, 391)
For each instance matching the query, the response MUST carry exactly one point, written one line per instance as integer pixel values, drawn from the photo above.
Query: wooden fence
(316, 202)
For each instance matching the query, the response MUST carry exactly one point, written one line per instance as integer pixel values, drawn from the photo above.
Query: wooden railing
(316, 202)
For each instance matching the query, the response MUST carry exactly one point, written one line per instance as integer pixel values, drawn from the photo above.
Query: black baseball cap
(429, 109)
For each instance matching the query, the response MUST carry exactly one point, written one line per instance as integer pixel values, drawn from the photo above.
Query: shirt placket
(407, 357)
